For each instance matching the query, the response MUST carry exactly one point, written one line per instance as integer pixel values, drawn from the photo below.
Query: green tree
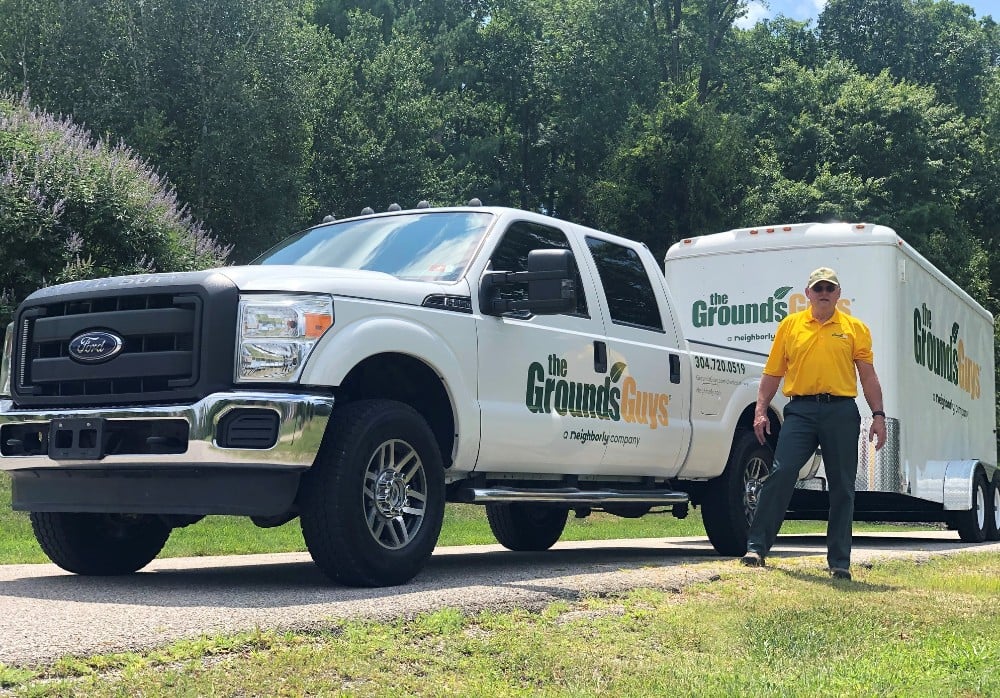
(833, 143)
(683, 171)
(75, 208)
(220, 93)
(931, 42)
(383, 135)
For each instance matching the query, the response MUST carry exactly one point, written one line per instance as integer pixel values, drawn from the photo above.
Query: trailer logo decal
(548, 390)
(717, 310)
(944, 357)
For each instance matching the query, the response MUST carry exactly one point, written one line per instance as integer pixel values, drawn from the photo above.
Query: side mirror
(551, 288)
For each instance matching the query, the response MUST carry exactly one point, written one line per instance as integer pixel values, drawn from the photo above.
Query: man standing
(821, 353)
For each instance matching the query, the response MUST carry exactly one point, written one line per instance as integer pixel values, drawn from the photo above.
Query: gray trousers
(834, 427)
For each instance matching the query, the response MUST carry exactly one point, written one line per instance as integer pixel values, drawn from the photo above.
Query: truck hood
(338, 282)
(277, 278)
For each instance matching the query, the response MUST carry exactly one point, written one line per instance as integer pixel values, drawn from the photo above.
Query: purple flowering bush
(75, 207)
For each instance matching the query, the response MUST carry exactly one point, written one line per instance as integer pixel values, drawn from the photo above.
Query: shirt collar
(834, 319)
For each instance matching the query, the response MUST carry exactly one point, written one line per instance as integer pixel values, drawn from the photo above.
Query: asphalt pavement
(46, 613)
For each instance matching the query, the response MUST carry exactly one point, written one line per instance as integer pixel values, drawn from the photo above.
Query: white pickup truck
(360, 375)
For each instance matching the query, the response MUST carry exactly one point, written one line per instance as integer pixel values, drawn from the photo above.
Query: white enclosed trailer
(933, 347)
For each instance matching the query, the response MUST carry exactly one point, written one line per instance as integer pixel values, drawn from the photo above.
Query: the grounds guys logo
(944, 356)
(717, 310)
(548, 390)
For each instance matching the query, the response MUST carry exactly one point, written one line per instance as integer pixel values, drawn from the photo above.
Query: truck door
(649, 372)
(538, 413)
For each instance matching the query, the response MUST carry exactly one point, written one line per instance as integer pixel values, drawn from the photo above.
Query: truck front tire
(99, 544)
(731, 499)
(526, 527)
(373, 502)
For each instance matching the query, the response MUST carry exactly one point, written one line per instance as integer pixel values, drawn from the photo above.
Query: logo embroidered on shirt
(839, 335)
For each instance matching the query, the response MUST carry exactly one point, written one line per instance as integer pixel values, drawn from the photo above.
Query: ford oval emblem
(95, 346)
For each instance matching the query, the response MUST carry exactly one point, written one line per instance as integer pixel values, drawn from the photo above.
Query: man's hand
(877, 432)
(762, 426)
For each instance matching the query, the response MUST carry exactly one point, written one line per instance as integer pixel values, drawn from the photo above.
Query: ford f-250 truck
(360, 375)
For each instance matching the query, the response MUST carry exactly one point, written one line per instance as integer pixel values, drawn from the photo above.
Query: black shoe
(752, 559)
(840, 573)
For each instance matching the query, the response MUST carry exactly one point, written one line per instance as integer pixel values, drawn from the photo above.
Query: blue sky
(810, 9)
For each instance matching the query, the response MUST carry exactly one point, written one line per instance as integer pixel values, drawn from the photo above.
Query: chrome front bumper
(302, 420)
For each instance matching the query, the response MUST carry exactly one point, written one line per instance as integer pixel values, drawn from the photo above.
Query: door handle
(600, 357)
(675, 368)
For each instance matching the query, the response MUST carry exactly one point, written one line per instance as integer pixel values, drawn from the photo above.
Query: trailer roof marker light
(770, 230)
(787, 228)
(753, 231)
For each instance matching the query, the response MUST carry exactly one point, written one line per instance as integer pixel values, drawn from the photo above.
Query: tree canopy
(656, 119)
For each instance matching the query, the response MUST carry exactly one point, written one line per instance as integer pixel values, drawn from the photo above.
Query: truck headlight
(8, 348)
(277, 334)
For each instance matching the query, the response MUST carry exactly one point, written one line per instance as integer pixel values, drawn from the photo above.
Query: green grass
(899, 629)
(465, 524)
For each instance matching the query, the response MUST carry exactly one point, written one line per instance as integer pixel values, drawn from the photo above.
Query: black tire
(993, 509)
(526, 527)
(730, 500)
(99, 544)
(371, 506)
(972, 524)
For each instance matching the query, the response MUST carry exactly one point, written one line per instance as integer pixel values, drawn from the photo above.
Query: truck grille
(159, 334)
(160, 346)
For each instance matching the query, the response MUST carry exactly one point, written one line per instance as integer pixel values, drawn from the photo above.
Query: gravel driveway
(46, 613)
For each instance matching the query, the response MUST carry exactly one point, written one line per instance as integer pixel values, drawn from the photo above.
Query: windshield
(423, 246)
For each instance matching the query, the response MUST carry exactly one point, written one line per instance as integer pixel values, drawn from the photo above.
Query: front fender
(445, 341)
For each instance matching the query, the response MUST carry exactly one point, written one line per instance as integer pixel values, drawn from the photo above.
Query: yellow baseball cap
(823, 274)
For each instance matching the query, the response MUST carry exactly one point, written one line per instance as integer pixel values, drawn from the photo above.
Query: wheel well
(405, 379)
(697, 490)
(746, 422)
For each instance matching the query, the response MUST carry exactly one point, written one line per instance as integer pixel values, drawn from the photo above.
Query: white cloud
(756, 11)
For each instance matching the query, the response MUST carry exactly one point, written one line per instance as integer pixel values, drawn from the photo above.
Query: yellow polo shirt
(819, 357)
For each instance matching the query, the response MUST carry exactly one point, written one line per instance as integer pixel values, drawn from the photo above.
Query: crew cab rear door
(649, 366)
(539, 374)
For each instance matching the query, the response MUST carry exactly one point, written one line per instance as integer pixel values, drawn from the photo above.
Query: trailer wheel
(99, 544)
(972, 524)
(731, 499)
(526, 527)
(993, 509)
(372, 504)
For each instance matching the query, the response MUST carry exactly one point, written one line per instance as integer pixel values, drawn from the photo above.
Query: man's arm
(765, 393)
(872, 389)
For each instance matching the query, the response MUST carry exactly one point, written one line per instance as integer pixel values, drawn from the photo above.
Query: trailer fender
(958, 476)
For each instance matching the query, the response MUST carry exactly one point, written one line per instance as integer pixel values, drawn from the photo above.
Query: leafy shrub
(75, 207)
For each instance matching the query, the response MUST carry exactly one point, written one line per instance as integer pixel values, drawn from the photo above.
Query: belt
(822, 397)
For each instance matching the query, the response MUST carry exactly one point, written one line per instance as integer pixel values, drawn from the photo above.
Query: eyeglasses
(824, 288)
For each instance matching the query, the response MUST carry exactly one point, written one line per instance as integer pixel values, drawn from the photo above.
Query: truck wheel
(99, 544)
(731, 498)
(993, 509)
(972, 524)
(373, 502)
(526, 527)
